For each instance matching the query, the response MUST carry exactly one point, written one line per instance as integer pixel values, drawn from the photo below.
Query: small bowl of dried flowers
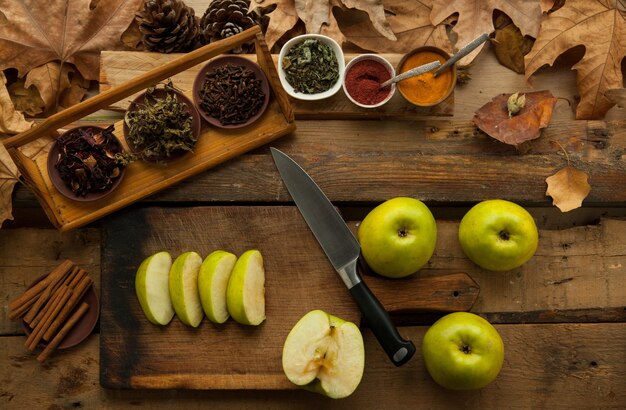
(84, 163)
(231, 92)
(161, 124)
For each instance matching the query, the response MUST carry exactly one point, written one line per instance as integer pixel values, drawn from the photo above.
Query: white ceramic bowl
(377, 58)
(340, 61)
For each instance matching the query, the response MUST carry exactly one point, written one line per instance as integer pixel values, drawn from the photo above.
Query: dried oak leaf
(493, 117)
(600, 26)
(475, 18)
(510, 44)
(617, 96)
(318, 17)
(8, 179)
(409, 20)
(68, 31)
(11, 121)
(568, 188)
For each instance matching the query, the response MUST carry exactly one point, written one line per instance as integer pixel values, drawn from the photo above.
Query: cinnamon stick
(80, 312)
(35, 336)
(21, 311)
(45, 295)
(68, 280)
(80, 274)
(46, 307)
(40, 286)
(77, 295)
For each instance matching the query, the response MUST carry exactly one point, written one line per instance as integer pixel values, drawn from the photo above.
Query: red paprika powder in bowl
(362, 79)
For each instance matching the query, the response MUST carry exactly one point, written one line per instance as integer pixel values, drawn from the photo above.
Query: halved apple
(245, 295)
(324, 354)
(213, 282)
(184, 288)
(152, 288)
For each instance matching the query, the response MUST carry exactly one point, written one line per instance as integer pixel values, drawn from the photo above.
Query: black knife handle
(399, 350)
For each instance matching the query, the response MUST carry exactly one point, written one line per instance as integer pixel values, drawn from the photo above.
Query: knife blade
(342, 250)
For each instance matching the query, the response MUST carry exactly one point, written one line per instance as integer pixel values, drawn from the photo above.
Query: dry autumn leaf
(68, 31)
(600, 26)
(409, 20)
(617, 96)
(493, 117)
(318, 17)
(568, 188)
(510, 44)
(11, 121)
(475, 18)
(8, 179)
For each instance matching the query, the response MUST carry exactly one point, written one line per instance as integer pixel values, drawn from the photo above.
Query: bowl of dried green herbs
(231, 92)
(84, 163)
(161, 124)
(311, 66)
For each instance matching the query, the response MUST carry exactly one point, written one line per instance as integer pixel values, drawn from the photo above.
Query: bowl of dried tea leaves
(161, 124)
(311, 67)
(84, 163)
(231, 92)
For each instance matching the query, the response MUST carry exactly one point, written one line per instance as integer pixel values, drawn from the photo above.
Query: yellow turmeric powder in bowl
(426, 90)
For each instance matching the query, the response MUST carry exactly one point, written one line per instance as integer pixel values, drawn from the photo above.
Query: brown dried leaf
(546, 5)
(8, 179)
(282, 19)
(475, 18)
(568, 188)
(617, 96)
(493, 117)
(69, 31)
(26, 100)
(510, 45)
(409, 20)
(600, 26)
(11, 121)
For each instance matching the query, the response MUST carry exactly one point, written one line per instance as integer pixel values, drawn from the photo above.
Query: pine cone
(168, 26)
(224, 18)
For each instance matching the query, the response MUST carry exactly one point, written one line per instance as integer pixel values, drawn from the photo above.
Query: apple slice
(212, 283)
(151, 286)
(184, 288)
(324, 354)
(245, 295)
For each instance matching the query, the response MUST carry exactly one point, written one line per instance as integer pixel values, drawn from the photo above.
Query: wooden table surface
(563, 320)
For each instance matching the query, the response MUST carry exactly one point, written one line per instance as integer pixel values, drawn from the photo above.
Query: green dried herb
(311, 67)
(160, 127)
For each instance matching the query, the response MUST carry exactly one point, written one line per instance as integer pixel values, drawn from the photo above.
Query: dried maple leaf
(475, 18)
(8, 179)
(568, 188)
(601, 27)
(409, 20)
(318, 17)
(68, 31)
(54, 80)
(510, 45)
(11, 121)
(493, 117)
(26, 100)
(546, 5)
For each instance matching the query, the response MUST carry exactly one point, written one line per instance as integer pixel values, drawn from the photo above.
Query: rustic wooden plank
(28, 253)
(117, 67)
(546, 366)
(298, 279)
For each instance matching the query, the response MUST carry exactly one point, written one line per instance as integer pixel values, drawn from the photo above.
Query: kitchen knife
(343, 251)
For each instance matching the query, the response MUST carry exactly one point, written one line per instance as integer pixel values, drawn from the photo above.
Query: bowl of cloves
(84, 163)
(231, 92)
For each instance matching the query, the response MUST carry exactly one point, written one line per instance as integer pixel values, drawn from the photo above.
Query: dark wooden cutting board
(137, 354)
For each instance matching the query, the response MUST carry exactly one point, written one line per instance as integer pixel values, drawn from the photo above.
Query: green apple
(212, 283)
(184, 288)
(245, 294)
(324, 354)
(152, 288)
(462, 351)
(498, 235)
(398, 237)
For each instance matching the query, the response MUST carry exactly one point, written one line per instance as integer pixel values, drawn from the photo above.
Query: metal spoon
(411, 73)
(469, 47)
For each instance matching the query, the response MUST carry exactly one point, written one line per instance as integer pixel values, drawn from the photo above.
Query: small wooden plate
(161, 93)
(82, 328)
(61, 186)
(234, 60)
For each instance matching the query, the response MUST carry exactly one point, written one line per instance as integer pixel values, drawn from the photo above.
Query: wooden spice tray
(117, 67)
(214, 145)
